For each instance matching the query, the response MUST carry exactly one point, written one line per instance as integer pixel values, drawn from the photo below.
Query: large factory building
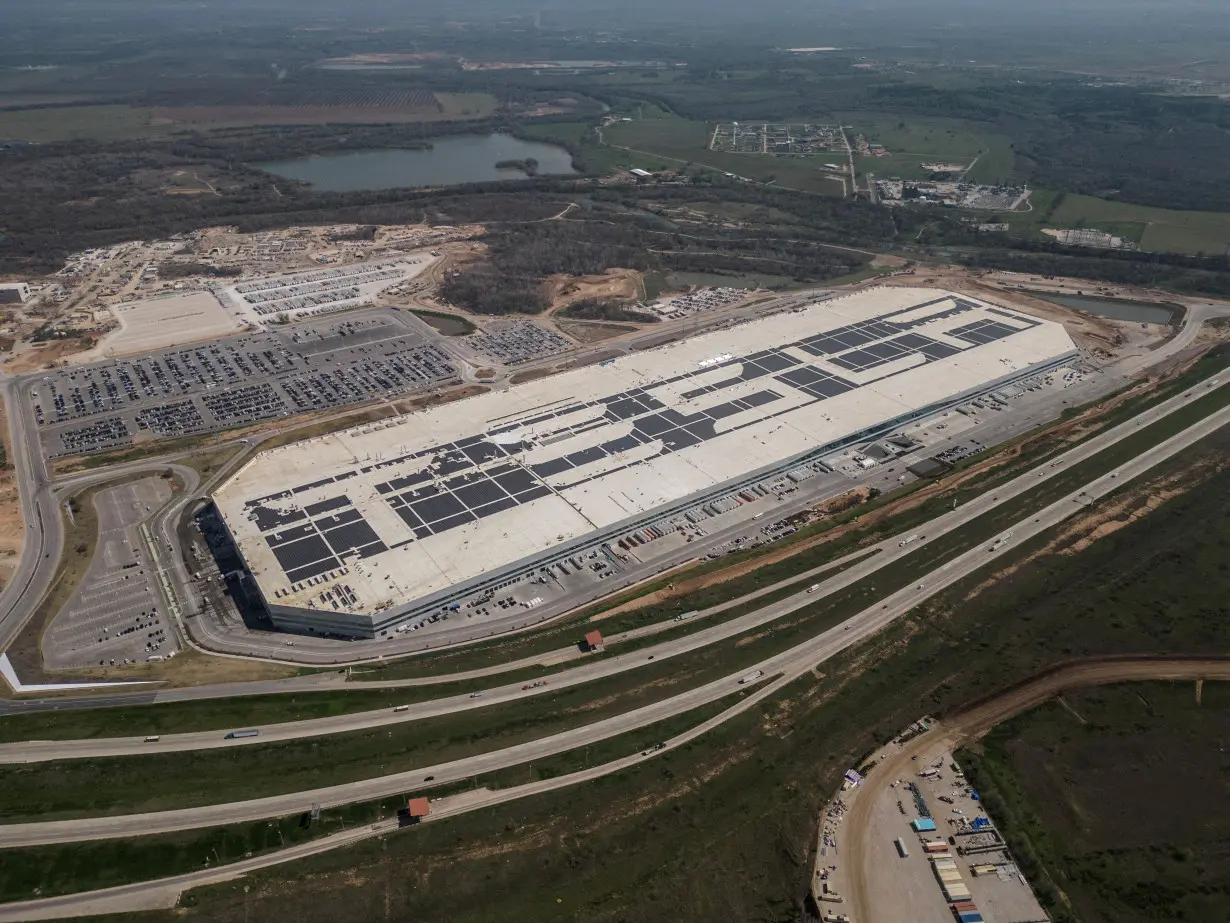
(355, 532)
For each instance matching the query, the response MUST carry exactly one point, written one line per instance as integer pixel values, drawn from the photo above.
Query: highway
(886, 553)
(791, 663)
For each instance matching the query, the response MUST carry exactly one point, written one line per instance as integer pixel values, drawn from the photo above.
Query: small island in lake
(528, 166)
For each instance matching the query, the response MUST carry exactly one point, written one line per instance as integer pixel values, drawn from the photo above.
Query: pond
(1135, 312)
(449, 161)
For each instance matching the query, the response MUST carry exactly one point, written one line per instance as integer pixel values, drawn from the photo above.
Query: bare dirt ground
(593, 331)
(45, 356)
(12, 525)
(614, 284)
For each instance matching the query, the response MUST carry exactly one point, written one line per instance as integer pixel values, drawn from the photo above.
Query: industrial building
(360, 531)
(14, 293)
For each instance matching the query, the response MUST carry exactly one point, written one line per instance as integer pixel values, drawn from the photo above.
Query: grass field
(1151, 228)
(598, 158)
(99, 123)
(1117, 799)
(467, 105)
(65, 869)
(687, 142)
(914, 141)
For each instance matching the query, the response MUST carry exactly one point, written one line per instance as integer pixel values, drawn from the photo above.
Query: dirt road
(976, 719)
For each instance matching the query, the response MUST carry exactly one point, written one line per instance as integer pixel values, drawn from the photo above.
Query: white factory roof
(398, 510)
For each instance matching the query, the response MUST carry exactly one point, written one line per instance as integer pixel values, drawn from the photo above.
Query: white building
(358, 531)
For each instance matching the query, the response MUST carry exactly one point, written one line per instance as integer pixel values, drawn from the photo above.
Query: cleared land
(1150, 228)
(1058, 780)
(100, 123)
(356, 107)
(156, 323)
(914, 141)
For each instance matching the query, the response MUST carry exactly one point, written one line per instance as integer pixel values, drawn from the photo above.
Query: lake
(450, 161)
(1139, 313)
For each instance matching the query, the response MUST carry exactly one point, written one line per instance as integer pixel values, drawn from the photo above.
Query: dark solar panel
(355, 535)
(266, 518)
(438, 507)
(302, 553)
(516, 480)
(283, 536)
(478, 494)
(315, 509)
(507, 503)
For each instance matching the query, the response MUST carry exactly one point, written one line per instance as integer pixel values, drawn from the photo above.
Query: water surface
(450, 161)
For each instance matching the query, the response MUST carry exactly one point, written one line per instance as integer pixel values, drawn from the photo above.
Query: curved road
(790, 662)
(889, 552)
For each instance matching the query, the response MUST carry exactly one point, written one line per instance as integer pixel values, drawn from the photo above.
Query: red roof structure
(419, 807)
(593, 640)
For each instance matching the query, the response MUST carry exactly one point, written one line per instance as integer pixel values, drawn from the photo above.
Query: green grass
(1057, 786)
(45, 871)
(1152, 228)
(99, 123)
(687, 142)
(912, 141)
(467, 105)
(451, 325)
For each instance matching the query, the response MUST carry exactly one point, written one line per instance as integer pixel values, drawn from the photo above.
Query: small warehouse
(593, 641)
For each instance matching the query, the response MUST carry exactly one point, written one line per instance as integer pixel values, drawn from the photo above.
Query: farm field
(358, 107)
(914, 141)
(1117, 796)
(1151, 228)
(67, 123)
(687, 141)
(597, 157)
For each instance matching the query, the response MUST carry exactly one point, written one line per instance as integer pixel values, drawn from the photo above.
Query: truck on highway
(751, 677)
(398, 708)
(686, 615)
(907, 540)
(247, 732)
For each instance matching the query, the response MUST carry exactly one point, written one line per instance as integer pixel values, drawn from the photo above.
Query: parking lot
(235, 381)
(115, 616)
(520, 341)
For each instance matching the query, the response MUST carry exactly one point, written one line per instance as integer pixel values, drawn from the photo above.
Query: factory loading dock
(360, 531)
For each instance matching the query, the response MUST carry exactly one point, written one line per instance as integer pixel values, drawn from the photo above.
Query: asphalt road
(791, 662)
(887, 553)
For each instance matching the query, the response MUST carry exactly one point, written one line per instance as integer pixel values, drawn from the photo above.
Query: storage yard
(933, 854)
(298, 295)
(443, 510)
(234, 381)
